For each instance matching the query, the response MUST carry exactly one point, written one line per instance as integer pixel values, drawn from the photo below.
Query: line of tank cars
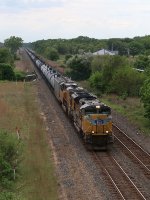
(91, 117)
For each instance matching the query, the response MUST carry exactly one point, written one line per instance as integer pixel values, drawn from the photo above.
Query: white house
(105, 52)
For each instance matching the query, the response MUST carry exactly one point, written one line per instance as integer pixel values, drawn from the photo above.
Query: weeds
(19, 114)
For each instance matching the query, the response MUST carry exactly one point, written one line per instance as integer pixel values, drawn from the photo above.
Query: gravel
(130, 129)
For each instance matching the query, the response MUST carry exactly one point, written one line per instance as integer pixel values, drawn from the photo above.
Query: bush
(145, 97)
(6, 72)
(9, 153)
(127, 81)
(67, 57)
(52, 53)
(5, 56)
(8, 196)
(96, 81)
(80, 67)
(20, 76)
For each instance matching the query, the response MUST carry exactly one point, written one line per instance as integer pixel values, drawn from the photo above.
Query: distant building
(105, 52)
(139, 70)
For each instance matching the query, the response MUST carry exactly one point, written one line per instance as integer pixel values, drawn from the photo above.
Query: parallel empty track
(120, 184)
(133, 150)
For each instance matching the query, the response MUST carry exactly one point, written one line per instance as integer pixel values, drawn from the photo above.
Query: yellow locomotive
(91, 117)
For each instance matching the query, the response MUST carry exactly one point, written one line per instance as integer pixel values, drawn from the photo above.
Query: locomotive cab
(96, 123)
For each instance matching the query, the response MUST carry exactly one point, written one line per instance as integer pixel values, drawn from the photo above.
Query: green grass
(132, 108)
(18, 103)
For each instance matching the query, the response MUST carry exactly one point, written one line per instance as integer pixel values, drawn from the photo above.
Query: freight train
(91, 117)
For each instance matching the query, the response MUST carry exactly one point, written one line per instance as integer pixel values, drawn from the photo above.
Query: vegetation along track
(117, 179)
(133, 150)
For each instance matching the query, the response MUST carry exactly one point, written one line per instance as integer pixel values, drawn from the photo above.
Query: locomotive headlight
(97, 107)
(92, 131)
(106, 131)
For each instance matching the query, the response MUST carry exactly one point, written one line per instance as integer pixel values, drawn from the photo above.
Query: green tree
(96, 81)
(145, 97)
(136, 48)
(107, 65)
(98, 63)
(6, 72)
(13, 43)
(119, 45)
(80, 67)
(5, 56)
(62, 48)
(51, 53)
(127, 81)
(142, 62)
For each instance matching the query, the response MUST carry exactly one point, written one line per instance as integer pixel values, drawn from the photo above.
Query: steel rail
(131, 151)
(133, 154)
(129, 179)
(131, 140)
(126, 176)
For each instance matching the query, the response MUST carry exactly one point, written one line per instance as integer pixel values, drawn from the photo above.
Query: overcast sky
(102, 19)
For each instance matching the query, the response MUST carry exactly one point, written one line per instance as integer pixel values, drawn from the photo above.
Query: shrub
(127, 81)
(6, 72)
(20, 76)
(9, 153)
(80, 67)
(145, 97)
(96, 81)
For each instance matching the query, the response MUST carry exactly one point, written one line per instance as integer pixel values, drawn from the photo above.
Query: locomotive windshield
(93, 110)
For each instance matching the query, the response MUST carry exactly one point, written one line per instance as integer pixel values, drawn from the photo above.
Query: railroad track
(120, 184)
(133, 150)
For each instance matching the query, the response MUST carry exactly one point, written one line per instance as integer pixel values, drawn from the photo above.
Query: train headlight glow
(97, 107)
(106, 131)
(92, 131)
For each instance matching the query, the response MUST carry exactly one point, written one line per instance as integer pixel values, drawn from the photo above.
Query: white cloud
(38, 19)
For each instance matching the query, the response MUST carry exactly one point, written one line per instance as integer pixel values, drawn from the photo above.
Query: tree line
(124, 46)
(105, 74)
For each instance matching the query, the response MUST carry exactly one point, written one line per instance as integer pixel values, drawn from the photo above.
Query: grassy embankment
(19, 108)
(132, 108)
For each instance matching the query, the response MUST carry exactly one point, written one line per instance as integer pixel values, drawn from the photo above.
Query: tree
(5, 56)
(142, 62)
(127, 81)
(62, 48)
(145, 97)
(118, 45)
(98, 63)
(51, 53)
(80, 67)
(13, 43)
(6, 72)
(136, 48)
(107, 65)
(96, 81)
